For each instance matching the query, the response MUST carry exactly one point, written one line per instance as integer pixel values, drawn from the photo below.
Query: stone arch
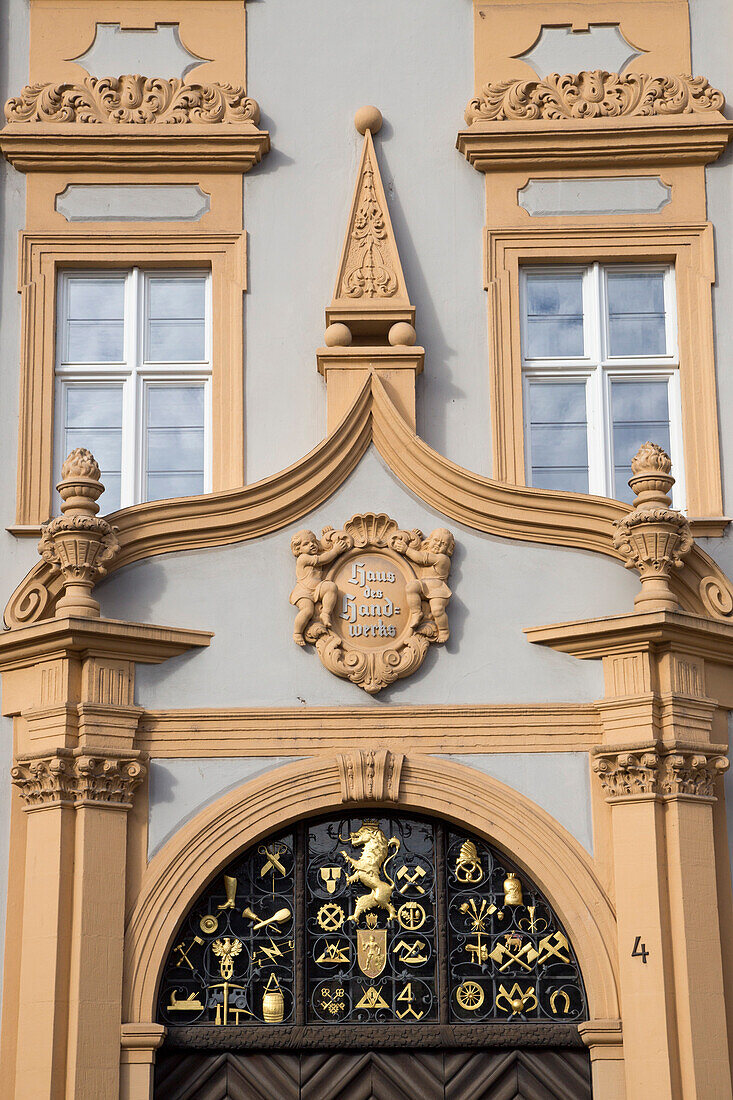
(510, 821)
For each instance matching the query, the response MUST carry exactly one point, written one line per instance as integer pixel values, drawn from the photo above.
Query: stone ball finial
(368, 118)
(337, 336)
(80, 463)
(402, 334)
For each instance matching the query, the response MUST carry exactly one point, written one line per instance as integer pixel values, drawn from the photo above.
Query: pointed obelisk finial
(370, 296)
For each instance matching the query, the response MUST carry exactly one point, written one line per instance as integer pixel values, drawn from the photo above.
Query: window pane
(175, 406)
(636, 313)
(176, 298)
(95, 342)
(176, 342)
(175, 441)
(93, 419)
(558, 435)
(640, 412)
(162, 486)
(95, 299)
(554, 311)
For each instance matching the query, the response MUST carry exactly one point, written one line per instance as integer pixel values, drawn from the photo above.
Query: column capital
(659, 770)
(74, 778)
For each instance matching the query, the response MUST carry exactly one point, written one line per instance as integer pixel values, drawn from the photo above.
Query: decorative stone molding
(655, 770)
(481, 503)
(79, 542)
(596, 94)
(370, 775)
(75, 779)
(132, 99)
(653, 538)
(371, 597)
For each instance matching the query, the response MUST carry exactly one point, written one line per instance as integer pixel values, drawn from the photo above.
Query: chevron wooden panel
(375, 1075)
(227, 1077)
(387, 1075)
(517, 1075)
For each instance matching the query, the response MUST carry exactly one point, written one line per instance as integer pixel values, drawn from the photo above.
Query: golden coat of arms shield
(371, 950)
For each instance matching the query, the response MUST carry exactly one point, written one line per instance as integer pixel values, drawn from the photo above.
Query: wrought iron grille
(383, 921)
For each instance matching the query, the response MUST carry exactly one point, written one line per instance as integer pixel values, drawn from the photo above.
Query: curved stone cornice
(507, 511)
(543, 849)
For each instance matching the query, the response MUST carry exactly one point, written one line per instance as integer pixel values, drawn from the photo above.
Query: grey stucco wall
(558, 782)
(241, 592)
(415, 62)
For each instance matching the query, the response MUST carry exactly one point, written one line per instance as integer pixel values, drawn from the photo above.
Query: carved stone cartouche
(653, 537)
(79, 543)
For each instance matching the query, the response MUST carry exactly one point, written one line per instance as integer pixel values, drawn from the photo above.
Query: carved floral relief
(132, 99)
(371, 597)
(594, 94)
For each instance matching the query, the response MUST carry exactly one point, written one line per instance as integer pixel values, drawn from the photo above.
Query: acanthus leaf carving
(369, 269)
(74, 778)
(595, 94)
(132, 99)
(660, 771)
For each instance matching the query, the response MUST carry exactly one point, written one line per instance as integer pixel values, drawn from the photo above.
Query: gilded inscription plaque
(371, 597)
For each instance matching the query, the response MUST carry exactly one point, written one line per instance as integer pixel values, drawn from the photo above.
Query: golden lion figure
(368, 867)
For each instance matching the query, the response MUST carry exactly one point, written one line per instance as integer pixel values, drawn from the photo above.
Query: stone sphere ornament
(402, 335)
(368, 118)
(337, 336)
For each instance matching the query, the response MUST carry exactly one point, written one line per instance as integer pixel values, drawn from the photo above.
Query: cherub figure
(310, 557)
(434, 553)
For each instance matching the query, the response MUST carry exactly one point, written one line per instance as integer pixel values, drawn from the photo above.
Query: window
(600, 374)
(133, 378)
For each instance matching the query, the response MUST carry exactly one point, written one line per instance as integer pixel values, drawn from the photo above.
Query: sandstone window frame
(43, 256)
(689, 250)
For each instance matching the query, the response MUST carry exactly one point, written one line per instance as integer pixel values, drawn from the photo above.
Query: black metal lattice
(387, 921)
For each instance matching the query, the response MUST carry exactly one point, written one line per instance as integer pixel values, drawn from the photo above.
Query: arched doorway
(438, 1044)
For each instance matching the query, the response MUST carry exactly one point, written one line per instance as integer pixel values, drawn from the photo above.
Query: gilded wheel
(330, 917)
(470, 996)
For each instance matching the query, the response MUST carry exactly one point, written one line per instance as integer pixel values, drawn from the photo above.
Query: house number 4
(639, 950)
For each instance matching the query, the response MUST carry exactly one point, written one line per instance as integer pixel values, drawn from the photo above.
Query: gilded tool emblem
(280, 917)
(330, 877)
(371, 597)
(411, 915)
(478, 915)
(371, 951)
(410, 953)
(183, 951)
(411, 878)
(209, 924)
(335, 953)
(269, 954)
(372, 999)
(368, 868)
(533, 923)
(468, 864)
(470, 996)
(190, 1004)
(230, 886)
(516, 999)
(272, 859)
(330, 917)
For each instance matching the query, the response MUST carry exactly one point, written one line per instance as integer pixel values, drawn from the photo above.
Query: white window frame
(598, 368)
(134, 372)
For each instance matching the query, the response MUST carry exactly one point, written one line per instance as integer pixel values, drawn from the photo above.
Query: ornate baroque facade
(366, 684)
